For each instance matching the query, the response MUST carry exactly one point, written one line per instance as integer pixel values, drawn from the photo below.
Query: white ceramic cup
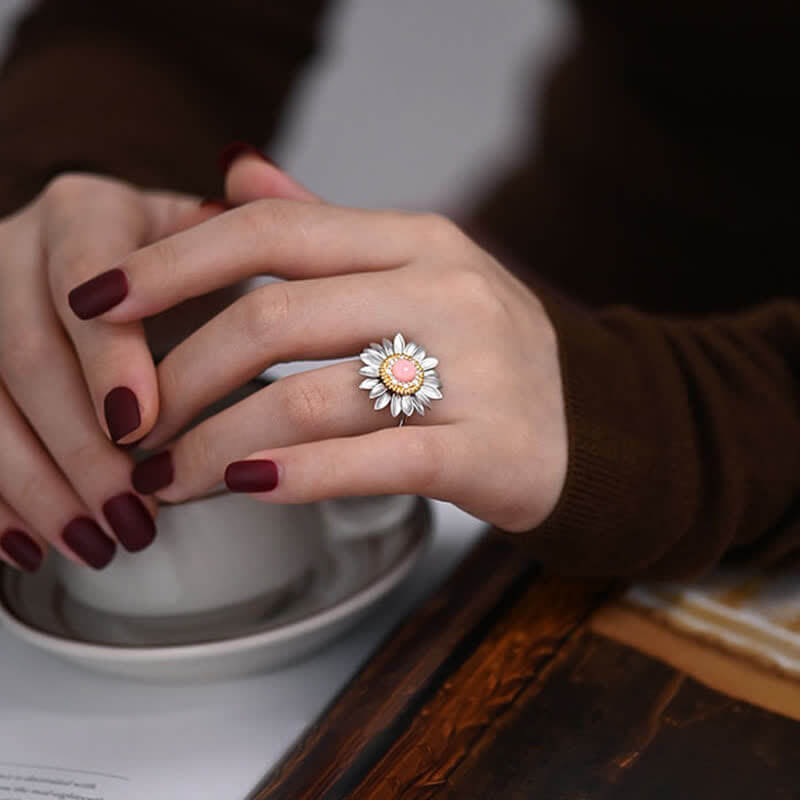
(211, 554)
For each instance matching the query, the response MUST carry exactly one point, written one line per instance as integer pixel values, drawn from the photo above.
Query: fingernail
(86, 539)
(217, 203)
(153, 473)
(232, 151)
(251, 476)
(21, 549)
(122, 412)
(131, 521)
(99, 294)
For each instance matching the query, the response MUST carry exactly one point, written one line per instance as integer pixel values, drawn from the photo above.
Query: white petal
(371, 371)
(431, 379)
(397, 405)
(424, 399)
(378, 348)
(399, 343)
(368, 383)
(371, 357)
(388, 347)
(431, 392)
(408, 406)
(383, 401)
(420, 354)
(430, 363)
(410, 349)
(377, 391)
(418, 405)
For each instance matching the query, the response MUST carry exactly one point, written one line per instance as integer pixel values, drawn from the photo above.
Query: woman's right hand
(63, 480)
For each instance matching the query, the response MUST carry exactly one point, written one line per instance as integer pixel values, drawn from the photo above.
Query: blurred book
(752, 614)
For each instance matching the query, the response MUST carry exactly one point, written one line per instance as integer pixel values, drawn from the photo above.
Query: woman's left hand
(495, 444)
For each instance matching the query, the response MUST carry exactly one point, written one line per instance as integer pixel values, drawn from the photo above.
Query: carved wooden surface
(609, 723)
(495, 689)
(468, 705)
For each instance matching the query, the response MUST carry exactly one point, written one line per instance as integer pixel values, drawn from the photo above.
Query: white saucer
(353, 576)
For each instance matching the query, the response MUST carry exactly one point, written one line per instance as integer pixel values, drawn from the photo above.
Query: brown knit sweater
(659, 209)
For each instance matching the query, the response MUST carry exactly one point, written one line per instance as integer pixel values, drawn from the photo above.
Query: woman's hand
(62, 480)
(495, 444)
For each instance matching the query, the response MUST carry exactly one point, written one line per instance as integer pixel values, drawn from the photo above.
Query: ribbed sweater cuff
(625, 443)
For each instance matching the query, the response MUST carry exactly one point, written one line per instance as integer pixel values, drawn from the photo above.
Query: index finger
(285, 238)
(89, 224)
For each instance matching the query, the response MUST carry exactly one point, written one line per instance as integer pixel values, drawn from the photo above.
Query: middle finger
(285, 238)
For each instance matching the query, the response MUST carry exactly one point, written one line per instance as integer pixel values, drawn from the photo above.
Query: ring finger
(320, 404)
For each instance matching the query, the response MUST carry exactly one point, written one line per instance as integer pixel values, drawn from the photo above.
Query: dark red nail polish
(97, 295)
(86, 539)
(122, 412)
(22, 549)
(215, 203)
(232, 151)
(131, 521)
(251, 476)
(153, 473)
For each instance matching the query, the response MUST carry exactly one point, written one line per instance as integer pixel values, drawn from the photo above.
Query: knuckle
(265, 311)
(163, 255)
(197, 456)
(440, 232)
(305, 406)
(476, 293)
(64, 187)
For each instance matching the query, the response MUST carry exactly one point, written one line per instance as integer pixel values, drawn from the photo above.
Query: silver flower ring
(400, 375)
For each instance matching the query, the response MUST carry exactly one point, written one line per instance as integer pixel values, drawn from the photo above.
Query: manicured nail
(22, 549)
(131, 521)
(216, 203)
(86, 539)
(153, 473)
(252, 476)
(97, 295)
(122, 412)
(232, 151)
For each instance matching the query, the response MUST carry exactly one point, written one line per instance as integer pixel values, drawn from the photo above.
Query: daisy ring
(400, 375)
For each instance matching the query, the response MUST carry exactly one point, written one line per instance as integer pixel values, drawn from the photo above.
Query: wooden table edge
(369, 719)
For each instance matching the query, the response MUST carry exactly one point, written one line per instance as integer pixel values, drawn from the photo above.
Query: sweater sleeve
(147, 91)
(684, 440)
(660, 197)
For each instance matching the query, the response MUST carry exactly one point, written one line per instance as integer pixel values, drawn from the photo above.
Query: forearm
(148, 92)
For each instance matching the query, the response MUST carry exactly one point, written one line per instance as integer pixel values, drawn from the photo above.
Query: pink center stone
(404, 370)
